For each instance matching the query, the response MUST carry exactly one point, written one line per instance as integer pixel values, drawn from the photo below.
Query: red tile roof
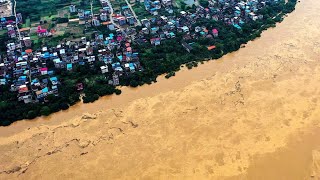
(211, 47)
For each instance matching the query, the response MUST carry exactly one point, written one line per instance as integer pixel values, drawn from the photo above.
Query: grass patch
(3, 32)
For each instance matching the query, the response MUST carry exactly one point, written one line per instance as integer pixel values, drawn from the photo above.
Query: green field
(3, 32)
(36, 10)
(140, 11)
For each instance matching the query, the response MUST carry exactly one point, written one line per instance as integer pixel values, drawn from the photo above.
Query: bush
(31, 115)
(134, 83)
(95, 97)
(64, 106)
(170, 74)
(86, 99)
(62, 20)
(118, 91)
(45, 111)
(89, 98)
(189, 65)
(54, 107)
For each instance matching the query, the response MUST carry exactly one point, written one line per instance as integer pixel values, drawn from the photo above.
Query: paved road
(19, 37)
(134, 14)
(15, 15)
(91, 5)
(111, 18)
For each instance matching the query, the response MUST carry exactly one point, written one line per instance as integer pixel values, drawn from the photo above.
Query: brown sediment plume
(299, 159)
(253, 114)
(315, 168)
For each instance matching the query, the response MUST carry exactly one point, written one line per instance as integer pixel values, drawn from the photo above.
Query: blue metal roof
(45, 90)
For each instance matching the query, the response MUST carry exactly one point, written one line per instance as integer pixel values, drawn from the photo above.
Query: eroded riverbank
(230, 118)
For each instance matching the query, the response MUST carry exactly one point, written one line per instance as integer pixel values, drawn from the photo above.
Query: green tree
(118, 91)
(45, 111)
(64, 106)
(31, 114)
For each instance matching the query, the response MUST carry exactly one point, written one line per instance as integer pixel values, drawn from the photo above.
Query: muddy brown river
(253, 114)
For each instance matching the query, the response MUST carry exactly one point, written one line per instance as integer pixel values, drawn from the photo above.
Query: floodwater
(253, 114)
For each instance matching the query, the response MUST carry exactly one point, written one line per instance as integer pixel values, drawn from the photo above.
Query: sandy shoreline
(254, 114)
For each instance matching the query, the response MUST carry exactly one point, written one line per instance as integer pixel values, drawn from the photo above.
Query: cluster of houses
(234, 12)
(154, 6)
(31, 73)
(27, 74)
(88, 18)
(160, 26)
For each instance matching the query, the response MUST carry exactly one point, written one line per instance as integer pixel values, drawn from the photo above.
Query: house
(54, 80)
(44, 71)
(21, 65)
(81, 14)
(111, 27)
(183, 13)
(27, 41)
(197, 29)
(23, 89)
(117, 67)
(42, 32)
(120, 57)
(155, 41)
(185, 29)
(215, 32)
(211, 48)
(189, 2)
(87, 14)
(69, 67)
(28, 51)
(129, 49)
(154, 30)
(72, 8)
(104, 3)
(154, 11)
(166, 2)
(90, 59)
(54, 89)
(121, 20)
(187, 46)
(3, 81)
(171, 35)
(103, 16)
(145, 22)
(11, 46)
(26, 99)
(79, 87)
(115, 79)
(62, 52)
(130, 67)
(145, 30)
(10, 27)
(89, 51)
(104, 69)
(131, 20)
(41, 94)
(58, 63)
(95, 22)
(12, 33)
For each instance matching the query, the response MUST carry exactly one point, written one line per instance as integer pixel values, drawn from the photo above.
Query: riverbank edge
(189, 65)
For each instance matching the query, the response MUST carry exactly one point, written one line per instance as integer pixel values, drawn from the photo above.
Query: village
(31, 72)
